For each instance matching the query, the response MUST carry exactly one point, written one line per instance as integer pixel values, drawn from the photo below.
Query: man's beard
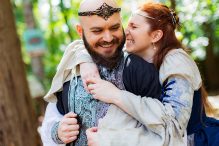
(110, 61)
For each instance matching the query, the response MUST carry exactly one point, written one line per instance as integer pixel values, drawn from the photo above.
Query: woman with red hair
(178, 118)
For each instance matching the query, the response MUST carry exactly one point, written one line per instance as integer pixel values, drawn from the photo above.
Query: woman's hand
(103, 90)
(92, 136)
(88, 70)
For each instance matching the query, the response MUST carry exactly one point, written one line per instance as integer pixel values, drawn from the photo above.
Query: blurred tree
(18, 122)
(36, 58)
(212, 56)
(200, 31)
(173, 4)
(65, 11)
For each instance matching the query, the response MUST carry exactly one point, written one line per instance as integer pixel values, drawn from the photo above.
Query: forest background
(35, 33)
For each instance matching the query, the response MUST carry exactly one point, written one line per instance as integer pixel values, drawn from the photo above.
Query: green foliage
(194, 15)
(57, 18)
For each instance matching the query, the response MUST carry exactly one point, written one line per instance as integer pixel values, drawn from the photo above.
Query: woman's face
(138, 38)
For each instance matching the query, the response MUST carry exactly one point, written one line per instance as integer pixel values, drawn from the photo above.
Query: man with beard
(103, 36)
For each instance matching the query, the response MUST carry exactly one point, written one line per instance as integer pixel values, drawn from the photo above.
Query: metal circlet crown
(104, 11)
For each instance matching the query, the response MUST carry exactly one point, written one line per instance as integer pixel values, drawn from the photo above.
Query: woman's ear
(156, 35)
(79, 30)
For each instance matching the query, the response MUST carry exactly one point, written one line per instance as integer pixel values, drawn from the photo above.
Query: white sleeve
(52, 116)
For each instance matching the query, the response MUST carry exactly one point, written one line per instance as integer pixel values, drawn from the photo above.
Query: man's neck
(109, 65)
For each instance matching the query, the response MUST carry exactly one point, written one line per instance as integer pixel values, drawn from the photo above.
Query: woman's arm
(174, 110)
(175, 107)
(84, 64)
(87, 71)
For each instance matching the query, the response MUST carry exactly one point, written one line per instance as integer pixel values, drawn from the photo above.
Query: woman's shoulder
(138, 63)
(141, 77)
(178, 62)
(179, 52)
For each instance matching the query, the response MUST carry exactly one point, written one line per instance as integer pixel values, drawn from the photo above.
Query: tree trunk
(173, 4)
(17, 118)
(211, 62)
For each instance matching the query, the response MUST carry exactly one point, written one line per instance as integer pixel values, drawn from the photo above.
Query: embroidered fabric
(88, 109)
(82, 103)
(177, 92)
(54, 134)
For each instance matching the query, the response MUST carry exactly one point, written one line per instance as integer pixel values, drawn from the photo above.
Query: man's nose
(108, 37)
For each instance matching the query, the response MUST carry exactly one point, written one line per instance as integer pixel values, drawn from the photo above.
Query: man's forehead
(96, 21)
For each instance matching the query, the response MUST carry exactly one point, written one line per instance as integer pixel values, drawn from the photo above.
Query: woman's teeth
(130, 41)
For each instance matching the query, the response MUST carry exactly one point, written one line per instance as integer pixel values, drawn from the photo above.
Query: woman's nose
(127, 31)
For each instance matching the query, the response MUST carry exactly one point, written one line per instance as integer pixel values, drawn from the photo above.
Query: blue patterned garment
(89, 110)
(178, 92)
(202, 133)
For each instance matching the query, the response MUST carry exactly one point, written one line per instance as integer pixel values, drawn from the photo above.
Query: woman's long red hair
(164, 21)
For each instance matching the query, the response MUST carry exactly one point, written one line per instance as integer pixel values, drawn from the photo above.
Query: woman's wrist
(117, 96)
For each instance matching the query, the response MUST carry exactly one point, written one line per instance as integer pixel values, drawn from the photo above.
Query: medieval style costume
(73, 96)
(160, 121)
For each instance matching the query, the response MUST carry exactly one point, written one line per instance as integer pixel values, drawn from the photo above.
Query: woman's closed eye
(133, 27)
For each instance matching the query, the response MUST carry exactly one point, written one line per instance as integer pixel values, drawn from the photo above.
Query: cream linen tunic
(157, 125)
(74, 54)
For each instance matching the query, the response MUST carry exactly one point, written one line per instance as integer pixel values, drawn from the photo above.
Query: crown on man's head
(104, 11)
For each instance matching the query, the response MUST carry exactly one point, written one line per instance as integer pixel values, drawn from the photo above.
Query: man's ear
(79, 30)
(156, 35)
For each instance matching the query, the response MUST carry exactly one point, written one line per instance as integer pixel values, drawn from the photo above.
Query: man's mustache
(114, 41)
